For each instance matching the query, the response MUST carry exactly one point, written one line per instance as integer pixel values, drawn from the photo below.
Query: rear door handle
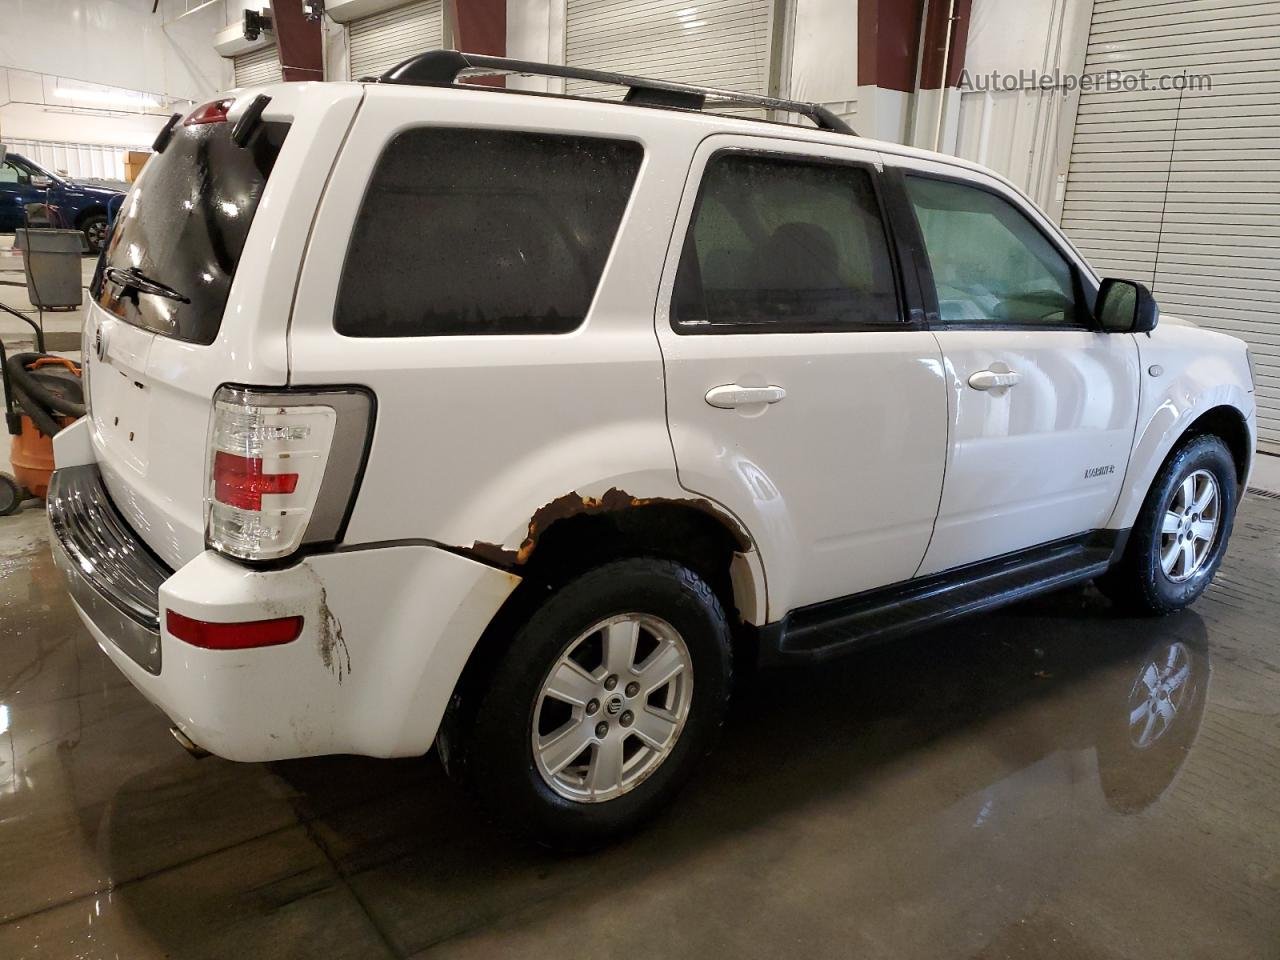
(730, 395)
(994, 379)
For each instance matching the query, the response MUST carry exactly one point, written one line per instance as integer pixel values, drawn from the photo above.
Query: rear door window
(483, 232)
(782, 245)
(183, 225)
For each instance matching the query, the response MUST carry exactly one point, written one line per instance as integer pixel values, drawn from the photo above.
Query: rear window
(184, 224)
(483, 232)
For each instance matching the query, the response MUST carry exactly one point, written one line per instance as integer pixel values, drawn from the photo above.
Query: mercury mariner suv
(426, 413)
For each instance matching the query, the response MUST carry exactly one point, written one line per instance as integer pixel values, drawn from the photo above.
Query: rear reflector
(215, 111)
(233, 636)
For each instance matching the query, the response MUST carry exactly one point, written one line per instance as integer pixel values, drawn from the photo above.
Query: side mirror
(1125, 306)
(41, 183)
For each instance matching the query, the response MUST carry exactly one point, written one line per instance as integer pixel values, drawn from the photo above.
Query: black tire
(500, 766)
(1138, 583)
(10, 495)
(94, 228)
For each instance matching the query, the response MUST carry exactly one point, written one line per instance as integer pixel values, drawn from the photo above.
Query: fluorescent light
(110, 98)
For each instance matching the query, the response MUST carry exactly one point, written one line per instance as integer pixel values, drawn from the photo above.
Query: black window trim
(1086, 291)
(910, 317)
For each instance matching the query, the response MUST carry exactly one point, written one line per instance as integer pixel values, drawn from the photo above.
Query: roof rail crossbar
(441, 68)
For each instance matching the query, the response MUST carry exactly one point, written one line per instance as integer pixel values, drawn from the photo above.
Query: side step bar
(835, 627)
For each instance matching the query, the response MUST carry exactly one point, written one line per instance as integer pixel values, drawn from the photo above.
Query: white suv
(433, 413)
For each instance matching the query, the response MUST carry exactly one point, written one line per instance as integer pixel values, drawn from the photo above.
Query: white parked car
(436, 414)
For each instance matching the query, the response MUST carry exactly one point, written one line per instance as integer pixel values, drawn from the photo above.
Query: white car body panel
(851, 511)
(1018, 459)
(151, 423)
(536, 417)
(474, 436)
(1198, 371)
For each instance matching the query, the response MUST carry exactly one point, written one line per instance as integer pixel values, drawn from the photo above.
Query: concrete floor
(970, 793)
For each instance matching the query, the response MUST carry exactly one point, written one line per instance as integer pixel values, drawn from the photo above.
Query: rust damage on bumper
(575, 504)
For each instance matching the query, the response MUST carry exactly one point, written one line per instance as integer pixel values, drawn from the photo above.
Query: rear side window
(483, 232)
(780, 245)
(183, 225)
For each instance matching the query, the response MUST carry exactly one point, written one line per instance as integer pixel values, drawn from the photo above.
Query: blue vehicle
(72, 203)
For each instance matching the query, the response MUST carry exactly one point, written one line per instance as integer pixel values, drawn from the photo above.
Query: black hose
(32, 394)
(39, 415)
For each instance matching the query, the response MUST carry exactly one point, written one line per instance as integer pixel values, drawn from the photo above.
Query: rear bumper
(386, 633)
(112, 576)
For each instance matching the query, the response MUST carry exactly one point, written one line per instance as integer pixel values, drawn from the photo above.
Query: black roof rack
(440, 68)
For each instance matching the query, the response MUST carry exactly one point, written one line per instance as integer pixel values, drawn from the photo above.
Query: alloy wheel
(1190, 526)
(96, 232)
(612, 707)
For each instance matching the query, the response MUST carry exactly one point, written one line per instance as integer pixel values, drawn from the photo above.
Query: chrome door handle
(994, 379)
(731, 395)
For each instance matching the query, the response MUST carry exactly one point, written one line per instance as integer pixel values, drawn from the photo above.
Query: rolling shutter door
(717, 43)
(377, 43)
(259, 66)
(1177, 188)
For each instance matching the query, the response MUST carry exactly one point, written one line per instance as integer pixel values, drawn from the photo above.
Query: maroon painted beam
(935, 43)
(298, 41)
(888, 43)
(480, 26)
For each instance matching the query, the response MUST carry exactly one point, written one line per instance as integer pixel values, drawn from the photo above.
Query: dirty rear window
(483, 232)
(184, 225)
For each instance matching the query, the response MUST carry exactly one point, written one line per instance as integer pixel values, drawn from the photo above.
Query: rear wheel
(603, 705)
(1181, 533)
(94, 229)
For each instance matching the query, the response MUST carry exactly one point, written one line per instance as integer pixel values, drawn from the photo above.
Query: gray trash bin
(52, 259)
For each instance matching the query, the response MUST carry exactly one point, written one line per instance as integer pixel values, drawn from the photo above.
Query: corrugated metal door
(259, 66)
(377, 43)
(1177, 188)
(718, 43)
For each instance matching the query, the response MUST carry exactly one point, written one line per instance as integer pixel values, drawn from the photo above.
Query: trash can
(52, 259)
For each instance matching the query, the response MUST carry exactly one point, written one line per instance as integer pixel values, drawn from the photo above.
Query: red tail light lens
(241, 482)
(283, 467)
(215, 111)
(233, 636)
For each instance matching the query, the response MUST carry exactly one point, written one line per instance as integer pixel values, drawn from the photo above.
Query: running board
(835, 627)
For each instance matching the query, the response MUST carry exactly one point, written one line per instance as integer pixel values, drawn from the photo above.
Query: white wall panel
(79, 160)
(124, 44)
(1178, 188)
(258, 66)
(377, 43)
(718, 43)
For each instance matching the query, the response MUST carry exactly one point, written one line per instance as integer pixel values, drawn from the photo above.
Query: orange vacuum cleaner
(42, 394)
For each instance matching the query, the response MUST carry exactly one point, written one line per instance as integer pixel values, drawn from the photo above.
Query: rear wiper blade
(131, 279)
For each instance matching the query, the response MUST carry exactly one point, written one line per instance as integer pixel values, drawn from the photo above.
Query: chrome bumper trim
(111, 574)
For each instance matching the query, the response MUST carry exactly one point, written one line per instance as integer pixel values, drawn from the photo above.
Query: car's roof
(713, 122)
(708, 123)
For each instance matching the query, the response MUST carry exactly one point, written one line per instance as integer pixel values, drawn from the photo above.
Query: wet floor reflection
(1052, 780)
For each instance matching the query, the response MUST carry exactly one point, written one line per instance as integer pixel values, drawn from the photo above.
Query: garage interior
(1016, 785)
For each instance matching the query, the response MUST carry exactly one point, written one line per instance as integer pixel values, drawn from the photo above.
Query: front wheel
(1181, 533)
(603, 705)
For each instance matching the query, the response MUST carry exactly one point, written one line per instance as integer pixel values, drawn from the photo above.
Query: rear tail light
(283, 468)
(233, 636)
